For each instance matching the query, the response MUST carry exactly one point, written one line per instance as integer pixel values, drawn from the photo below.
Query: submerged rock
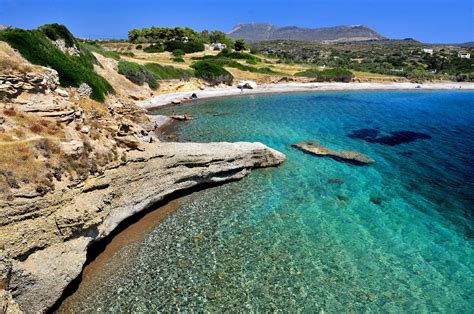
(347, 156)
(395, 138)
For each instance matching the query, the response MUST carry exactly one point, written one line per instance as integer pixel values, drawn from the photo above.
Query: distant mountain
(255, 32)
(468, 44)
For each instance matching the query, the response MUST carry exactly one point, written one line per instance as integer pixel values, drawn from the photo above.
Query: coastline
(168, 169)
(167, 99)
(100, 265)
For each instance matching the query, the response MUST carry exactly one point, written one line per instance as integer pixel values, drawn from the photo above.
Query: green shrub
(34, 46)
(162, 72)
(56, 31)
(178, 59)
(240, 45)
(137, 74)
(98, 49)
(139, 47)
(238, 55)
(224, 61)
(178, 53)
(189, 47)
(154, 48)
(253, 62)
(328, 75)
(157, 34)
(212, 73)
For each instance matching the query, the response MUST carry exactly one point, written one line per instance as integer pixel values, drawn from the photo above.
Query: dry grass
(93, 107)
(367, 75)
(28, 125)
(9, 112)
(12, 62)
(18, 164)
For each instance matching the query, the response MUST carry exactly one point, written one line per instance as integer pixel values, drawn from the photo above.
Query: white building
(464, 54)
(218, 46)
(428, 51)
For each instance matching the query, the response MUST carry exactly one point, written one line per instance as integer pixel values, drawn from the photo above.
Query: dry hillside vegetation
(51, 138)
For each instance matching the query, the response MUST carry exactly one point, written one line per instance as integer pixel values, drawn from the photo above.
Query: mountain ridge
(255, 32)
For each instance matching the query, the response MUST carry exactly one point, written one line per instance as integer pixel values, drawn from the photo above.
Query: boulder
(70, 50)
(62, 92)
(247, 84)
(72, 148)
(84, 90)
(130, 142)
(182, 117)
(347, 156)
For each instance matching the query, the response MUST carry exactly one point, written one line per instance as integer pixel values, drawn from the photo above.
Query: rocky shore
(44, 239)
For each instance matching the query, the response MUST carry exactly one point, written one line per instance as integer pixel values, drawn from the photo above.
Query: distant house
(218, 46)
(182, 39)
(428, 51)
(464, 54)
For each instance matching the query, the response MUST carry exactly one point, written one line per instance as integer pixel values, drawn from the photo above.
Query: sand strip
(166, 99)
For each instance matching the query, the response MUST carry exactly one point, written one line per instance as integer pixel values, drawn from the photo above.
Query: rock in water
(354, 158)
(183, 117)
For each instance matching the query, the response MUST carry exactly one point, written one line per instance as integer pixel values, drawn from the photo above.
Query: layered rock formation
(15, 84)
(17, 75)
(44, 240)
(347, 156)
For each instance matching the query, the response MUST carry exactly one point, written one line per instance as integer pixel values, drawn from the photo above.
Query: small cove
(315, 234)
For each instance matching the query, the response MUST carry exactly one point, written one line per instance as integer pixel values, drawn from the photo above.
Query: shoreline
(161, 100)
(100, 264)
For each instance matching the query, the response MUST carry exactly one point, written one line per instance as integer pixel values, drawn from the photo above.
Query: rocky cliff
(44, 239)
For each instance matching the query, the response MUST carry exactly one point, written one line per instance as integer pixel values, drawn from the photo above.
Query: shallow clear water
(315, 233)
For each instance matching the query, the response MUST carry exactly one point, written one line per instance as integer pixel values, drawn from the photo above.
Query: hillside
(255, 32)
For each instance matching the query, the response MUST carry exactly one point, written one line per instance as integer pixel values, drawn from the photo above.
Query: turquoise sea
(316, 234)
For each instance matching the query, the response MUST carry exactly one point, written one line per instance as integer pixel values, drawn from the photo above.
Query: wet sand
(101, 266)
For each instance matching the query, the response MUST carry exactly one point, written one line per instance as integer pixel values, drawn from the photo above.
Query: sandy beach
(167, 99)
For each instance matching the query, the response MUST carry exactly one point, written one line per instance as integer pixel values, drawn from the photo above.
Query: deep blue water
(317, 234)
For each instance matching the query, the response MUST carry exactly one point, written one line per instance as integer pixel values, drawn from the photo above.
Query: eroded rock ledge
(347, 156)
(44, 240)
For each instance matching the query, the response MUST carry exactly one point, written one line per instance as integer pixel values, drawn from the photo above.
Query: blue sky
(449, 21)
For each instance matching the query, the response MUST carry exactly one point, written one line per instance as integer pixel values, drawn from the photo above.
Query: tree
(220, 37)
(240, 45)
(205, 36)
